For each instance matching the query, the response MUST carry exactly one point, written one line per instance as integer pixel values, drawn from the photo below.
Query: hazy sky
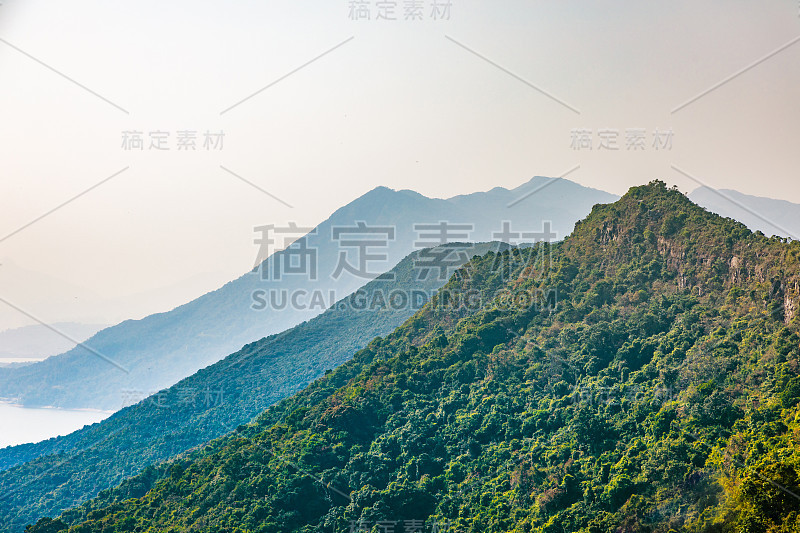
(402, 103)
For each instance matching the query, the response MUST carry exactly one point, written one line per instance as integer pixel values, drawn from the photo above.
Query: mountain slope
(661, 394)
(208, 404)
(155, 352)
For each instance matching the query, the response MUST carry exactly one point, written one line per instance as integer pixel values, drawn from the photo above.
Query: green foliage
(659, 395)
(64, 471)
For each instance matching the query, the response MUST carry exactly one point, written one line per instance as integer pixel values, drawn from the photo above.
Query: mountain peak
(384, 194)
(654, 220)
(651, 201)
(536, 180)
(380, 191)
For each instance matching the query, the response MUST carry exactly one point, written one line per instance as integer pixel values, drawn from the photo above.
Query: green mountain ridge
(660, 394)
(56, 472)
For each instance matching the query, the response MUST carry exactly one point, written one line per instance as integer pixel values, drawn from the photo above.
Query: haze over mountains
(155, 352)
(52, 300)
(239, 387)
(211, 402)
(767, 215)
(39, 342)
(661, 393)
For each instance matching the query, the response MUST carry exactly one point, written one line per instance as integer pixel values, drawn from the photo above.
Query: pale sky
(444, 107)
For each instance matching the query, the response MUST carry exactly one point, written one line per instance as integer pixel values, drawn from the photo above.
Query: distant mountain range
(213, 401)
(155, 352)
(767, 215)
(660, 392)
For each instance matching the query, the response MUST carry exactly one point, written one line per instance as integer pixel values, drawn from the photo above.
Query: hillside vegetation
(62, 472)
(660, 393)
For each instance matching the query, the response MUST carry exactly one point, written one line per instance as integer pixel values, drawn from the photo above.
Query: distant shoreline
(12, 403)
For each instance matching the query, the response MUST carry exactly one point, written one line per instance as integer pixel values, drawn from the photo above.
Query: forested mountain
(155, 352)
(65, 471)
(659, 394)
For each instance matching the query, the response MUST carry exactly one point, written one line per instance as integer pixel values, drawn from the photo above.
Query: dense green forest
(62, 472)
(659, 394)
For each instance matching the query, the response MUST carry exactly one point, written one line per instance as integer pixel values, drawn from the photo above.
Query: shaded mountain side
(660, 394)
(66, 471)
(161, 349)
